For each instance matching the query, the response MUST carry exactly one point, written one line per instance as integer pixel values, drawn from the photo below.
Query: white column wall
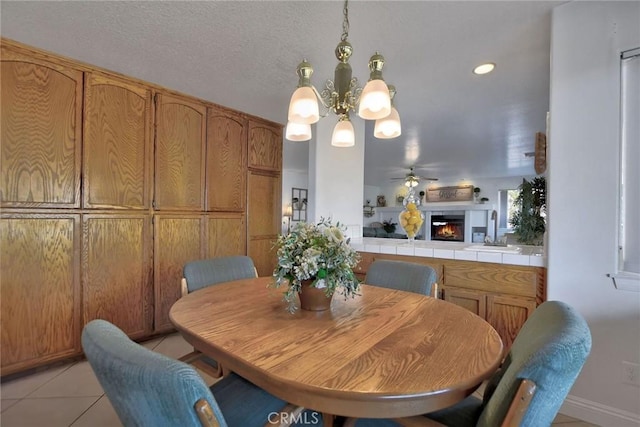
(336, 176)
(587, 38)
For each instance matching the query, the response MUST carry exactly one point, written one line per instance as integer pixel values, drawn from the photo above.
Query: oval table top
(382, 354)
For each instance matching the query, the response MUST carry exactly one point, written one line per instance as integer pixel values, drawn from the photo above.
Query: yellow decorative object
(411, 219)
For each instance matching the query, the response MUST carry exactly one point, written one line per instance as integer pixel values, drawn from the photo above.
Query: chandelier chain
(345, 22)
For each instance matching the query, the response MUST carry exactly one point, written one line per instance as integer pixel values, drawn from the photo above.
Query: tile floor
(70, 395)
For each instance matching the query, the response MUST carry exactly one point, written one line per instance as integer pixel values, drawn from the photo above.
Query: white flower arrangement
(318, 252)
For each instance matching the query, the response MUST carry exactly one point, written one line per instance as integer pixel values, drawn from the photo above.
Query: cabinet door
(117, 132)
(265, 146)
(226, 235)
(40, 286)
(497, 278)
(226, 161)
(264, 220)
(475, 302)
(177, 240)
(179, 153)
(41, 132)
(507, 315)
(116, 271)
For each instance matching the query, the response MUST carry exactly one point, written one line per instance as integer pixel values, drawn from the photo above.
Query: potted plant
(315, 257)
(389, 226)
(528, 219)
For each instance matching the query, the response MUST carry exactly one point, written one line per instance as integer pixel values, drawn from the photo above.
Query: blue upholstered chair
(150, 389)
(202, 273)
(533, 381)
(403, 276)
(206, 272)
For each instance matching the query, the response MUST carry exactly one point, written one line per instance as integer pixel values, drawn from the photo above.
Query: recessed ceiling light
(484, 68)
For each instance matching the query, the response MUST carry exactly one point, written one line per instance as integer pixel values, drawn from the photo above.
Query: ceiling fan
(412, 180)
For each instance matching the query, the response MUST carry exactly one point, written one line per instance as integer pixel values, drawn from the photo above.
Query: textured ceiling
(243, 54)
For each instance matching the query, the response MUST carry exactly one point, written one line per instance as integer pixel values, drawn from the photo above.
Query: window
(506, 199)
(627, 275)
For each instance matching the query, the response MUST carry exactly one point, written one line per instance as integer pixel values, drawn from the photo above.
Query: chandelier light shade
(389, 127)
(298, 132)
(303, 107)
(341, 96)
(375, 102)
(343, 133)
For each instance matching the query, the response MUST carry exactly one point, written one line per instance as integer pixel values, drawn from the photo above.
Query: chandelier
(342, 95)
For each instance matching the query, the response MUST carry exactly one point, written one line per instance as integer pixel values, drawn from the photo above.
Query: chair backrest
(144, 387)
(401, 275)
(550, 350)
(205, 272)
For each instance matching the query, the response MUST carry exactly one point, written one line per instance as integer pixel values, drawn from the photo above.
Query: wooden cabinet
(40, 286)
(179, 153)
(264, 194)
(117, 143)
(116, 271)
(105, 195)
(178, 240)
(507, 314)
(265, 146)
(226, 235)
(474, 301)
(509, 293)
(226, 161)
(504, 295)
(264, 219)
(41, 132)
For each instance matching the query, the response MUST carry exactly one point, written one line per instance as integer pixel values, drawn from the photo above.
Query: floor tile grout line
(68, 366)
(86, 410)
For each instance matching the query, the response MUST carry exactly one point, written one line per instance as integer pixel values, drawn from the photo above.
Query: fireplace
(448, 227)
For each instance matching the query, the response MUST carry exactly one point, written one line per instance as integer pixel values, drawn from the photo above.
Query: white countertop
(513, 254)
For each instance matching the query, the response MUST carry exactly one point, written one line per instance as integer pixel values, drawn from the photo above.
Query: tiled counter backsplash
(533, 256)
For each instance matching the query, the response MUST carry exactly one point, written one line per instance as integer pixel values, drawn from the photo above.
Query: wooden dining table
(383, 354)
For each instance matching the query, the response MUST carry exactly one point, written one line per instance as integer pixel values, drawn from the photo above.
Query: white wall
(587, 38)
(336, 177)
(295, 172)
(291, 179)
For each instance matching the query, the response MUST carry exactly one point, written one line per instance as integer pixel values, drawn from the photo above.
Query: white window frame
(627, 274)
